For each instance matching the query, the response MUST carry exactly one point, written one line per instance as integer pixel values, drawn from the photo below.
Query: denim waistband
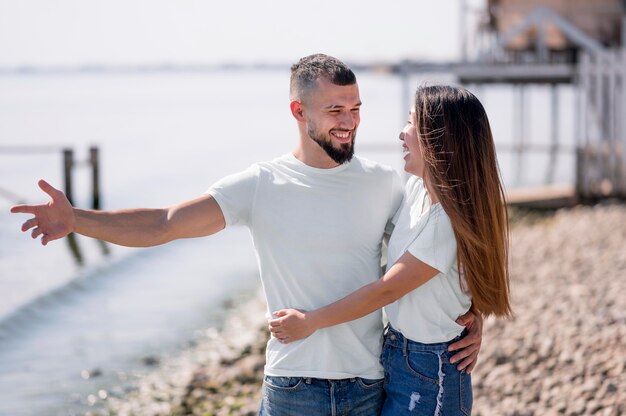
(395, 338)
(325, 381)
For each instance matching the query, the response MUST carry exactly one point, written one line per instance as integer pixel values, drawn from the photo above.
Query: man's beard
(342, 155)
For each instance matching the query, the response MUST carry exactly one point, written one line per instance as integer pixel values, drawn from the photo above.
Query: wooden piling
(68, 164)
(95, 177)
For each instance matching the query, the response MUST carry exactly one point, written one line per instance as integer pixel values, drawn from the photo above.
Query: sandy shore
(564, 352)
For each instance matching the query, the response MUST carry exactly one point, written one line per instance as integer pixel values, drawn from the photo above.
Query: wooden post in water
(95, 177)
(94, 160)
(68, 164)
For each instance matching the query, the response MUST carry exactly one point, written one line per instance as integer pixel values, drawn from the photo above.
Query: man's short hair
(309, 69)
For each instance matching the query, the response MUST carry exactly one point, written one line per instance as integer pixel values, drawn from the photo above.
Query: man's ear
(297, 110)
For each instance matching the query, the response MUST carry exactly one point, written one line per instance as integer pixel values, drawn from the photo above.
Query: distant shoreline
(28, 70)
(392, 68)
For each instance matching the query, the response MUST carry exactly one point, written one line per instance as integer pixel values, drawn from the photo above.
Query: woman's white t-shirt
(428, 313)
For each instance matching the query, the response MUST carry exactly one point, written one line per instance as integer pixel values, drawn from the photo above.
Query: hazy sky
(71, 32)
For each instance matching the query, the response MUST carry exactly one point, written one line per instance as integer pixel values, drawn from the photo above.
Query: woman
(447, 254)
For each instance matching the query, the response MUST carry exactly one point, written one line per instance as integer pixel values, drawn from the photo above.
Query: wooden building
(578, 42)
(599, 19)
(558, 44)
(553, 31)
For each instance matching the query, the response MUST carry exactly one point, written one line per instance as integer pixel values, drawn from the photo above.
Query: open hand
(469, 345)
(52, 220)
(290, 325)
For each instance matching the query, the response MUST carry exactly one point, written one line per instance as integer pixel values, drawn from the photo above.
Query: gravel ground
(563, 353)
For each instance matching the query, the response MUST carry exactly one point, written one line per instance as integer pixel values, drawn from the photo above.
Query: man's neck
(314, 157)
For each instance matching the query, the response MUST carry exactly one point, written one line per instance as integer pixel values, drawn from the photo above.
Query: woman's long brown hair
(461, 168)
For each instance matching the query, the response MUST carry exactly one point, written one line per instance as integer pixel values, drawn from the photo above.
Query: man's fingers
(47, 188)
(24, 209)
(470, 367)
(36, 232)
(29, 224)
(465, 352)
(464, 342)
(32, 209)
(465, 320)
(468, 363)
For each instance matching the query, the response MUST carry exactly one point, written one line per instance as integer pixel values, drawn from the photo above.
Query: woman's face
(413, 158)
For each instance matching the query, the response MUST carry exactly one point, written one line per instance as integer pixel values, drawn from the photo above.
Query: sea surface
(76, 324)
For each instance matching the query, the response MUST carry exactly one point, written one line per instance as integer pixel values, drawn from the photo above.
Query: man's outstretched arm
(139, 227)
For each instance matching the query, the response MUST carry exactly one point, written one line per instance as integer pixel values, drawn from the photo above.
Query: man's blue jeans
(301, 396)
(420, 380)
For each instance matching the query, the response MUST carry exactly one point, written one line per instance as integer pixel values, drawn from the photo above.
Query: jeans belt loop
(307, 380)
(405, 346)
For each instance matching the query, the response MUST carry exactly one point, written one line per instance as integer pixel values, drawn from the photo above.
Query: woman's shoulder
(414, 183)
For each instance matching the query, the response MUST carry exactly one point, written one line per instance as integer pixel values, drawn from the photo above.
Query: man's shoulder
(274, 163)
(370, 166)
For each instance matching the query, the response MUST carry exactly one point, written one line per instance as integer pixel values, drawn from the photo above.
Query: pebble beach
(563, 352)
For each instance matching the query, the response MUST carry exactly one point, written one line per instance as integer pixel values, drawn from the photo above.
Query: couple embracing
(318, 217)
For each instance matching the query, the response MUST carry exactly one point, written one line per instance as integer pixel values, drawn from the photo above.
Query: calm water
(163, 138)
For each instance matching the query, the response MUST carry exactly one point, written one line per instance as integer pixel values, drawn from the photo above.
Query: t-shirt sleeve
(235, 195)
(436, 245)
(397, 194)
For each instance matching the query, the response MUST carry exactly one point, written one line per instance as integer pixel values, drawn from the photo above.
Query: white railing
(601, 167)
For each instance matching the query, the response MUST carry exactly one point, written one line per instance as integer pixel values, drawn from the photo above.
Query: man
(317, 218)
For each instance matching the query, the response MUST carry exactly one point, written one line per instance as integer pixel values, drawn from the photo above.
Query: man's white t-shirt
(317, 234)
(428, 313)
